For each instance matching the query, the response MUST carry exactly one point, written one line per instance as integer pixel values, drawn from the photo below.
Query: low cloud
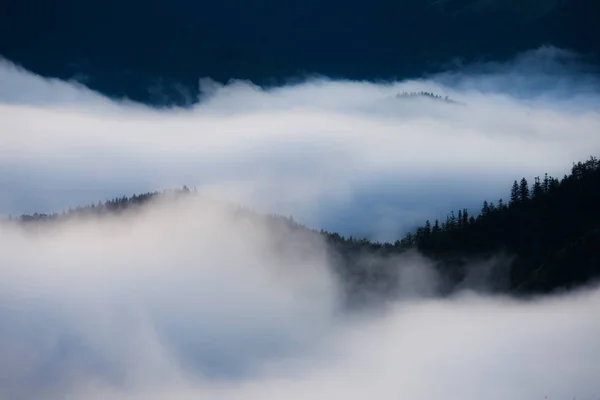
(188, 285)
(191, 299)
(342, 155)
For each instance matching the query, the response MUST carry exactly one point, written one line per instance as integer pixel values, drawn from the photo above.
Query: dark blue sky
(155, 51)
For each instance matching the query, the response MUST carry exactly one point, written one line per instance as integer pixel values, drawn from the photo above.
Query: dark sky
(155, 51)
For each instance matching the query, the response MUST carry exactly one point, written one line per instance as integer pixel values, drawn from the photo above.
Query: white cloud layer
(341, 155)
(187, 300)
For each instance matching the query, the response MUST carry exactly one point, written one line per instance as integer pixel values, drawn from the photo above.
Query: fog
(340, 155)
(190, 299)
(189, 281)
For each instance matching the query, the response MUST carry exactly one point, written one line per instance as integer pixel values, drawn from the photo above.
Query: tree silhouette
(514, 193)
(552, 236)
(523, 191)
(553, 233)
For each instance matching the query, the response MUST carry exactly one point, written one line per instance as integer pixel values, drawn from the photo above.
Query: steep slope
(550, 228)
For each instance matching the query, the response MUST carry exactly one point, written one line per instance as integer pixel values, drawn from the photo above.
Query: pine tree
(436, 228)
(514, 193)
(452, 224)
(537, 189)
(485, 209)
(523, 191)
(500, 205)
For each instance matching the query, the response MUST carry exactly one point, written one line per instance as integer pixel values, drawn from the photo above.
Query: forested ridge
(545, 237)
(551, 227)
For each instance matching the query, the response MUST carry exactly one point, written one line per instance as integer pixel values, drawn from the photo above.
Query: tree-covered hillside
(546, 237)
(156, 50)
(550, 227)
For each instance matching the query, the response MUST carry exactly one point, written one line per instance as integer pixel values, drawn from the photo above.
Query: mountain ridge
(545, 239)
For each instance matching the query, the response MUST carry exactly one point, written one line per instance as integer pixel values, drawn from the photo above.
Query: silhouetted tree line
(551, 227)
(550, 230)
(109, 206)
(429, 95)
(115, 205)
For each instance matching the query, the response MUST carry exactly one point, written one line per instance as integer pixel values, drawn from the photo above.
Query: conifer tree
(538, 189)
(514, 193)
(523, 191)
(485, 208)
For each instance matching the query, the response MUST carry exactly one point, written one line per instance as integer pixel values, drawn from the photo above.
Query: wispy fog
(341, 155)
(191, 299)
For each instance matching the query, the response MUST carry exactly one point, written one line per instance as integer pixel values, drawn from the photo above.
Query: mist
(340, 155)
(190, 298)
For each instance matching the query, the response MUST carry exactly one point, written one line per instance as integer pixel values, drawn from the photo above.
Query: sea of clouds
(187, 300)
(190, 300)
(340, 155)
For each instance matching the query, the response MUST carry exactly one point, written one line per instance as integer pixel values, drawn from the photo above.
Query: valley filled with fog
(189, 298)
